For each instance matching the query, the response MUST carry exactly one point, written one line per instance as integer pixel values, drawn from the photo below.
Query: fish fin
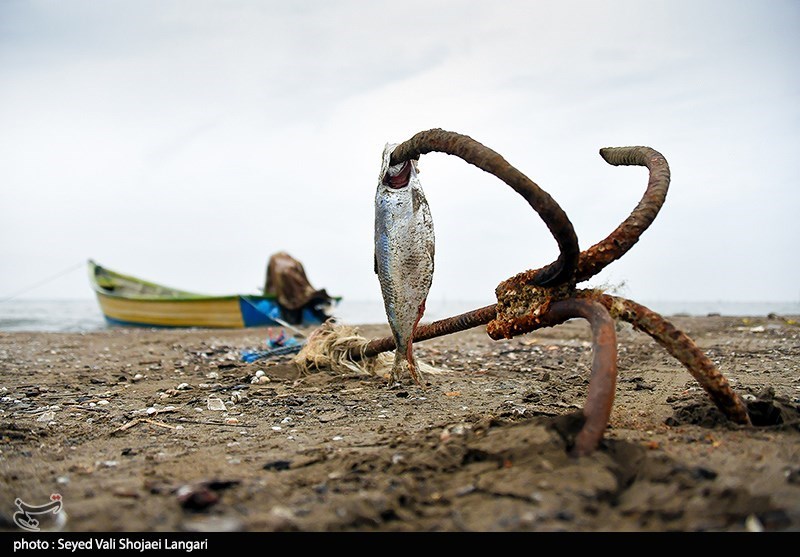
(412, 364)
(420, 313)
(398, 367)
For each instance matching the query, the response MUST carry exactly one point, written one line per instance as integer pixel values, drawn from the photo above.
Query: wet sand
(122, 424)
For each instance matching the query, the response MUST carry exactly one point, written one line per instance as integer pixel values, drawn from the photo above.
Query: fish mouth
(399, 179)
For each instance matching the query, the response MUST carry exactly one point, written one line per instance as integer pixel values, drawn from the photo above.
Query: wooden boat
(130, 301)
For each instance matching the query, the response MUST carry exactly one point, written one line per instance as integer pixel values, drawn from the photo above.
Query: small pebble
(753, 524)
(216, 404)
(212, 524)
(196, 497)
(46, 417)
(183, 387)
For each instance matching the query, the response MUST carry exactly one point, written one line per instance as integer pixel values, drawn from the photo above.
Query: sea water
(84, 315)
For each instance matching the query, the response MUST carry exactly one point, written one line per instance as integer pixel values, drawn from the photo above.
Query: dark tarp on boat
(287, 281)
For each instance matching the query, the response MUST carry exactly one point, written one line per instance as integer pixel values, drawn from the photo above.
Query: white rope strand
(45, 281)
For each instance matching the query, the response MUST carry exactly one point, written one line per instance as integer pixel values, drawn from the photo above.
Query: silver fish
(404, 249)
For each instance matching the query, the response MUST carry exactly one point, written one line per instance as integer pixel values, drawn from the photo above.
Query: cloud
(187, 145)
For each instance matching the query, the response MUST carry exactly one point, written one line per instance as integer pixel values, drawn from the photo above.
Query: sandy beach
(165, 430)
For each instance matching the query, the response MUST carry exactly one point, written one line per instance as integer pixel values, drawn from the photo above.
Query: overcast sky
(186, 141)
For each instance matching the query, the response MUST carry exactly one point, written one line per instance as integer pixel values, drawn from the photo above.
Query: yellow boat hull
(126, 300)
(221, 313)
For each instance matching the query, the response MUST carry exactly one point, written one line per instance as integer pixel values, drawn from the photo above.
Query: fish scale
(404, 254)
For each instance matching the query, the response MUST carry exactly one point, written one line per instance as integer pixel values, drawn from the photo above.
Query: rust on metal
(683, 349)
(468, 320)
(603, 379)
(594, 259)
(560, 271)
(521, 307)
(548, 296)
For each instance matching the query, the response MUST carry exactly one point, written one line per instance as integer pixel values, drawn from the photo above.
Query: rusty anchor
(548, 296)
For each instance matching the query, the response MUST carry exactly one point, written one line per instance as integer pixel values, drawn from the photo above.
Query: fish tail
(412, 363)
(399, 366)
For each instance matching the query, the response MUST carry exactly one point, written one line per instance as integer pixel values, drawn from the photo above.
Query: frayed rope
(328, 348)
